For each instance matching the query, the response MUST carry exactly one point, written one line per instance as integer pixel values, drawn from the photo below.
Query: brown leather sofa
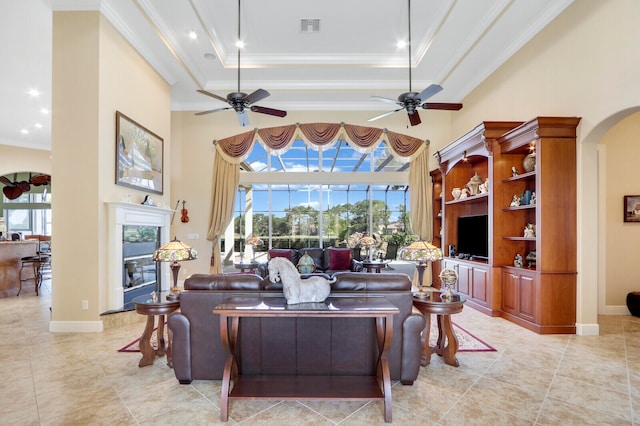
(304, 346)
(326, 260)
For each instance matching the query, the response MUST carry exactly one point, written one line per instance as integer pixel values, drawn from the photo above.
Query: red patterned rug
(467, 341)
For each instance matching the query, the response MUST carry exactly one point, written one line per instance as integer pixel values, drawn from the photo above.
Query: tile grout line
(555, 373)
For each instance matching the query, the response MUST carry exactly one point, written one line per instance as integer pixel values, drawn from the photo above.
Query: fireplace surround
(123, 214)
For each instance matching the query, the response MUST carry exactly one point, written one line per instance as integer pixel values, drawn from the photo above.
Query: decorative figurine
(530, 231)
(533, 198)
(531, 259)
(514, 171)
(517, 262)
(515, 202)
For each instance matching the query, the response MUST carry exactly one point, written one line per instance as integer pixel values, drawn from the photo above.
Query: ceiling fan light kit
(240, 101)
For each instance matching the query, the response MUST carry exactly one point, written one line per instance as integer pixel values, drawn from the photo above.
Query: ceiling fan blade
(270, 111)
(213, 95)
(387, 100)
(211, 110)
(414, 118)
(39, 180)
(6, 181)
(256, 96)
(429, 92)
(445, 106)
(243, 118)
(385, 114)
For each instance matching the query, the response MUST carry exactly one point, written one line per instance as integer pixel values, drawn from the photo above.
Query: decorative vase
(456, 193)
(529, 162)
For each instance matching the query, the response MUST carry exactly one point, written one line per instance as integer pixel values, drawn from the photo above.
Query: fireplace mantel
(120, 214)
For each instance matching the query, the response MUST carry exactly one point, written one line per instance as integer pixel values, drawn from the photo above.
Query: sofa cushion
(286, 253)
(223, 282)
(339, 259)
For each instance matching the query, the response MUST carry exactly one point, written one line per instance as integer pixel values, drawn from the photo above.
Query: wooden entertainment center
(541, 294)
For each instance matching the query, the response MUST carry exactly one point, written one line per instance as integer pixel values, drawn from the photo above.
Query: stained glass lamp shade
(175, 251)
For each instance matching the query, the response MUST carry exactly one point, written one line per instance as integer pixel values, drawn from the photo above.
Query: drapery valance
(363, 139)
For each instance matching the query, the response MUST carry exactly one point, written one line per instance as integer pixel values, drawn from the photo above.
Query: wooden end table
(160, 307)
(373, 265)
(443, 309)
(246, 266)
(294, 387)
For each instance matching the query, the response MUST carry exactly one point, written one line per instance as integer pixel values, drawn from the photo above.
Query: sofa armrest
(180, 335)
(412, 346)
(356, 266)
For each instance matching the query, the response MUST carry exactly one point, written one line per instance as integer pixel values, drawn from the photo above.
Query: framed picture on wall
(632, 208)
(139, 156)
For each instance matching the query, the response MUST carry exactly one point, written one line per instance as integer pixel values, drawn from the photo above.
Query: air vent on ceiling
(310, 25)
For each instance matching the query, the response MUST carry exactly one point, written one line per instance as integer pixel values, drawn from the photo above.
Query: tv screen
(473, 236)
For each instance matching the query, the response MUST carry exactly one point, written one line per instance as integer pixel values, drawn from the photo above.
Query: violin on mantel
(184, 218)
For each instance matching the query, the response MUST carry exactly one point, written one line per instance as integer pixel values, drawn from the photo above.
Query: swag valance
(231, 151)
(236, 149)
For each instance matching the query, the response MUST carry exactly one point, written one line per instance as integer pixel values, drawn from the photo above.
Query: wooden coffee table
(434, 304)
(373, 265)
(294, 387)
(160, 307)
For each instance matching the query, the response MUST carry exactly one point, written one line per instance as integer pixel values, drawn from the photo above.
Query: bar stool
(35, 263)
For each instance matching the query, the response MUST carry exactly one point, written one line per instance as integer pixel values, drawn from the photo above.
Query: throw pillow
(306, 264)
(280, 253)
(339, 259)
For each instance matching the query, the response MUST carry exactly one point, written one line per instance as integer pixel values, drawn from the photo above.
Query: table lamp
(254, 242)
(175, 251)
(421, 252)
(367, 242)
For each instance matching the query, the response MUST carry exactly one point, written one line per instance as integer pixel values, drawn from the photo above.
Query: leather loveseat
(326, 260)
(304, 346)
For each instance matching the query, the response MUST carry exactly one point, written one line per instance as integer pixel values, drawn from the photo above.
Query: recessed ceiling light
(240, 44)
(35, 93)
(44, 111)
(192, 35)
(401, 44)
(24, 131)
(38, 126)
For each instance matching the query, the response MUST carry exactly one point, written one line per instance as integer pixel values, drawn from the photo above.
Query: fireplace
(140, 274)
(135, 232)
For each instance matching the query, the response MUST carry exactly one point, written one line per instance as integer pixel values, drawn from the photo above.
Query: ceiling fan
(239, 101)
(411, 101)
(14, 189)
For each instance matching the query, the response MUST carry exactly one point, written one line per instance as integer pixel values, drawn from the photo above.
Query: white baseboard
(75, 326)
(587, 329)
(615, 310)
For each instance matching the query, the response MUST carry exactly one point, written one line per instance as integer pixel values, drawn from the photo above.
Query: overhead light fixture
(35, 93)
(38, 126)
(24, 131)
(401, 44)
(44, 111)
(240, 44)
(192, 35)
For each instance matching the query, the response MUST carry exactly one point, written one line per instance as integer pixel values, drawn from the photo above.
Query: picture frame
(632, 208)
(139, 156)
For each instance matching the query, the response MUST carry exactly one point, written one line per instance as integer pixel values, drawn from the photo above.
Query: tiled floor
(80, 379)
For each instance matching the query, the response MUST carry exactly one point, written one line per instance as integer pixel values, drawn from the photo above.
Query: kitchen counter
(10, 254)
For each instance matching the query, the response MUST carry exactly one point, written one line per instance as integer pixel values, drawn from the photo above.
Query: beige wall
(17, 159)
(95, 73)
(619, 152)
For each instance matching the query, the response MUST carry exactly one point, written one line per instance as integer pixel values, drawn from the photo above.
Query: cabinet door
(509, 292)
(464, 279)
(527, 297)
(479, 284)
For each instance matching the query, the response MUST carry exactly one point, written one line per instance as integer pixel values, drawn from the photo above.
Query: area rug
(467, 342)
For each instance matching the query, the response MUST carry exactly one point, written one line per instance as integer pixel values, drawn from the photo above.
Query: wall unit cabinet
(541, 294)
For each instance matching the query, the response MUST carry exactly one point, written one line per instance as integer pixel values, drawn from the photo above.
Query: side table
(443, 309)
(250, 266)
(373, 265)
(153, 306)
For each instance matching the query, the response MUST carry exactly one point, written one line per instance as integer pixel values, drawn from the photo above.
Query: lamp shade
(254, 241)
(367, 241)
(421, 251)
(174, 251)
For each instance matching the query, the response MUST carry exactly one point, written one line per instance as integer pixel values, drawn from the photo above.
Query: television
(473, 237)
